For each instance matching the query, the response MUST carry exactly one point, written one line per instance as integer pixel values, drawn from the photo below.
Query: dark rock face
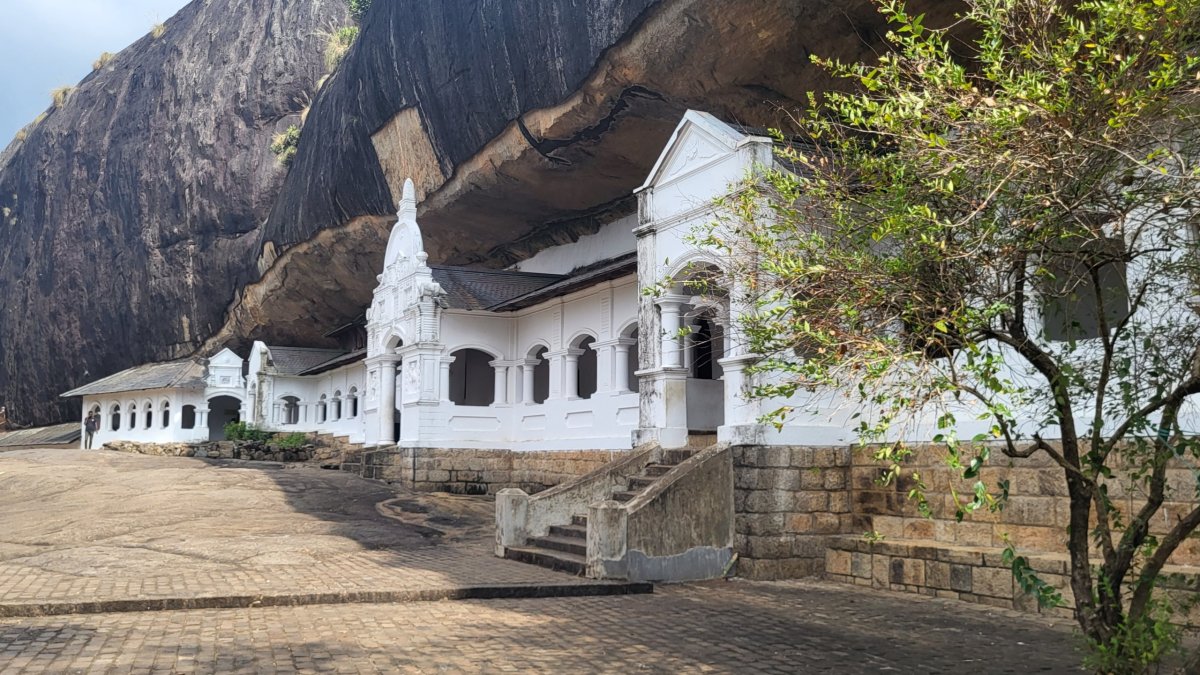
(131, 213)
(523, 123)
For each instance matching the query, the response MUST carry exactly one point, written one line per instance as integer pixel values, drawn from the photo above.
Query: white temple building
(563, 351)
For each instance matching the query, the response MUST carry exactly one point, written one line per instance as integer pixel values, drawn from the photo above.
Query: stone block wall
(1035, 517)
(466, 471)
(788, 502)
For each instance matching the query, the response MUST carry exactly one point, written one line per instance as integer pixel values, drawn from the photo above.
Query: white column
(669, 307)
(571, 372)
(387, 403)
(444, 378)
(500, 379)
(621, 368)
(527, 370)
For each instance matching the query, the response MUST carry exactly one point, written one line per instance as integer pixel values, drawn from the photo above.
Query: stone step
(580, 521)
(572, 531)
(658, 469)
(701, 441)
(640, 483)
(555, 560)
(677, 456)
(626, 495)
(572, 545)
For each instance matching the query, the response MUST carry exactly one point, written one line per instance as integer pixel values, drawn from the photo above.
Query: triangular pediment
(699, 140)
(225, 357)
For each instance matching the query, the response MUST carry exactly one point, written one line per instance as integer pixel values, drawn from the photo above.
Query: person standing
(90, 425)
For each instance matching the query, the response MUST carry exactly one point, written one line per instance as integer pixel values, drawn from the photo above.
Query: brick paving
(738, 627)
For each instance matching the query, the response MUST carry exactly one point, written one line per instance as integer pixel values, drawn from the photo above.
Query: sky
(45, 44)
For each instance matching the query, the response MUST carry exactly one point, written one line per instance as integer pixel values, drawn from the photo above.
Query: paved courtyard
(95, 532)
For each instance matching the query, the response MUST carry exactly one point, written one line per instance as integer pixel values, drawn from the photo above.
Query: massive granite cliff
(149, 216)
(130, 213)
(523, 123)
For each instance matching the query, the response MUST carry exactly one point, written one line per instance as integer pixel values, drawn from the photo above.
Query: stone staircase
(564, 547)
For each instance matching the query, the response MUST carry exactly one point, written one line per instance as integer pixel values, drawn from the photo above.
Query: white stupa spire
(406, 243)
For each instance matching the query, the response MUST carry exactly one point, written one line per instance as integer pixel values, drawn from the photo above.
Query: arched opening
(147, 414)
(472, 378)
(336, 405)
(291, 410)
(114, 414)
(322, 410)
(586, 368)
(631, 360)
(353, 401)
(166, 414)
(222, 410)
(187, 418)
(133, 413)
(541, 375)
(705, 347)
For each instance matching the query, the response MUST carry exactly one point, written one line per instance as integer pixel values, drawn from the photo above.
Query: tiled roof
(186, 374)
(298, 360)
(56, 435)
(479, 289)
(337, 362)
(577, 279)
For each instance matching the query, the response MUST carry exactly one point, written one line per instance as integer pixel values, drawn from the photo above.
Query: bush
(358, 8)
(158, 30)
(289, 441)
(104, 59)
(284, 145)
(240, 431)
(339, 43)
(59, 96)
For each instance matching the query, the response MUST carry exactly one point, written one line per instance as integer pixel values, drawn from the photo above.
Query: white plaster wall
(612, 240)
(173, 432)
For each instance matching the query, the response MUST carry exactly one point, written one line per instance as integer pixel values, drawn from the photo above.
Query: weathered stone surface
(129, 215)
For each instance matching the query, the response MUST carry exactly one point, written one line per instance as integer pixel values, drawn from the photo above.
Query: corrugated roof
(56, 435)
(337, 362)
(580, 278)
(297, 360)
(186, 374)
(476, 289)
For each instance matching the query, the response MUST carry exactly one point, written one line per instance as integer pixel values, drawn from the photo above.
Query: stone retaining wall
(788, 501)
(245, 450)
(465, 471)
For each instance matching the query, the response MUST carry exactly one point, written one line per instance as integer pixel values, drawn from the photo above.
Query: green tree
(358, 8)
(1000, 219)
(285, 145)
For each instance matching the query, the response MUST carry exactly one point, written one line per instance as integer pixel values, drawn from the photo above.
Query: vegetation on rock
(60, 95)
(103, 60)
(358, 8)
(338, 45)
(284, 145)
(241, 431)
(158, 30)
(1006, 239)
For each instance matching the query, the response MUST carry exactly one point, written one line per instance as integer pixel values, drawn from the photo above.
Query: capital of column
(617, 342)
(672, 301)
(571, 352)
(383, 359)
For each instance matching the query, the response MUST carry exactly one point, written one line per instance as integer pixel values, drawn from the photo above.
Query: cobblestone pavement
(732, 627)
(91, 527)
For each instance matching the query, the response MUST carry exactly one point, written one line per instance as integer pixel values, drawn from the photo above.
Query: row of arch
(132, 417)
(328, 408)
(472, 374)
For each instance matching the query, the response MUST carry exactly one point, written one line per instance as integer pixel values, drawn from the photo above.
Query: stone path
(711, 628)
(97, 531)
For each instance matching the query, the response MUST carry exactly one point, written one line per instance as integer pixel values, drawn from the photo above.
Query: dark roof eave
(335, 363)
(567, 286)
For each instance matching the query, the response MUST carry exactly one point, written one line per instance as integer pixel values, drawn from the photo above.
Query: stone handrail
(680, 529)
(520, 516)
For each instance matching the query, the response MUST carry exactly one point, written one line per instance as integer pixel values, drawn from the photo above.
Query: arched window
(291, 410)
(188, 418)
(472, 379)
(147, 414)
(353, 400)
(586, 368)
(337, 405)
(322, 410)
(631, 364)
(166, 414)
(541, 375)
(114, 414)
(133, 411)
